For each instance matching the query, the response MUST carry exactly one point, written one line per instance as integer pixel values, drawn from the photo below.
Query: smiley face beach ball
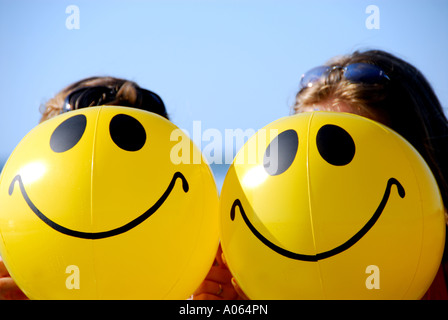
(330, 205)
(92, 206)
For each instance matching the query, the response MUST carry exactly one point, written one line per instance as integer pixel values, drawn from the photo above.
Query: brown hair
(406, 102)
(122, 93)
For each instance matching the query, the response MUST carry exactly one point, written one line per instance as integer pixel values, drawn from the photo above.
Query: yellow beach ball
(93, 207)
(330, 205)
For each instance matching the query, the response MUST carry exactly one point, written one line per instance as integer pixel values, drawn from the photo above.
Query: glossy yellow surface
(119, 220)
(339, 219)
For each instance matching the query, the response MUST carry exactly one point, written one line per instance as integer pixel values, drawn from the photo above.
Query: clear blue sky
(230, 64)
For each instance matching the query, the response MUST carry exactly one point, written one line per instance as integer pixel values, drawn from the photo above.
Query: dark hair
(96, 91)
(407, 101)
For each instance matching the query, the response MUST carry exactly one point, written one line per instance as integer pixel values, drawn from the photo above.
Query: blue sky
(229, 64)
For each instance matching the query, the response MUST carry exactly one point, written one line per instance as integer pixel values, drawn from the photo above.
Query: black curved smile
(332, 252)
(102, 234)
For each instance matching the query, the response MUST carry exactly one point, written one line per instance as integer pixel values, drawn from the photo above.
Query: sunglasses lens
(312, 76)
(365, 73)
(86, 97)
(152, 102)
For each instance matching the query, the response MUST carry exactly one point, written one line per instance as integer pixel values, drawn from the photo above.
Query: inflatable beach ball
(93, 206)
(330, 205)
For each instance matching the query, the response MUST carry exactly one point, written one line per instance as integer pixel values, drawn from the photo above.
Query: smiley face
(96, 188)
(129, 135)
(328, 196)
(335, 146)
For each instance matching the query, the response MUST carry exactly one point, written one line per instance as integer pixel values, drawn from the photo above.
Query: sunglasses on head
(356, 73)
(101, 95)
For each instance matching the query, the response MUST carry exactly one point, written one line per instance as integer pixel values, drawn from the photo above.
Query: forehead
(341, 106)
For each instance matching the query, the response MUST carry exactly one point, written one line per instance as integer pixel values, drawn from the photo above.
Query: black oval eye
(335, 145)
(281, 152)
(127, 132)
(68, 133)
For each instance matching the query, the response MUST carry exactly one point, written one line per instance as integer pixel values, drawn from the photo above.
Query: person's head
(95, 91)
(382, 87)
